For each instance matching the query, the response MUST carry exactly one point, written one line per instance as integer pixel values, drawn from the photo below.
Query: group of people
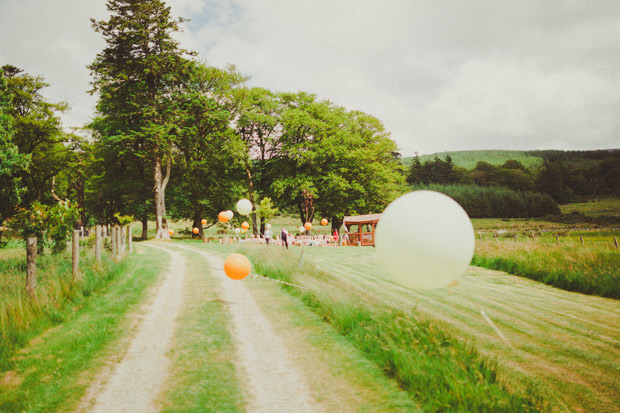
(285, 236)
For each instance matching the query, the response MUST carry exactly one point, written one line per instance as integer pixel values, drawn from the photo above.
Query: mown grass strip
(440, 371)
(54, 370)
(202, 375)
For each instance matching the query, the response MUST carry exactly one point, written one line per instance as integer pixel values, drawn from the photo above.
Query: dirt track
(264, 365)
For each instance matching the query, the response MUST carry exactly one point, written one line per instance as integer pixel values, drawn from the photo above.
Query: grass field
(565, 344)
(469, 159)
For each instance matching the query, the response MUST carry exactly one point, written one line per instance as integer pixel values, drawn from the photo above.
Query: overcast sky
(441, 75)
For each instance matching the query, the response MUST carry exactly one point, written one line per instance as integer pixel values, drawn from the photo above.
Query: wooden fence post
(76, 254)
(515, 237)
(31, 260)
(123, 235)
(118, 240)
(533, 238)
(113, 241)
(557, 239)
(616, 242)
(581, 238)
(98, 243)
(130, 239)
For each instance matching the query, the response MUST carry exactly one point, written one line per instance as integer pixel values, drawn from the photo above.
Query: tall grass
(589, 269)
(439, 370)
(23, 317)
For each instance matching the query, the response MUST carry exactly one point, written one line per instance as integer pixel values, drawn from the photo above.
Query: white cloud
(440, 75)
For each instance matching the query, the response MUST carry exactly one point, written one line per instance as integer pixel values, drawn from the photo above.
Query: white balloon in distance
(230, 214)
(237, 230)
(302, 229)
(425, 240)
(244, 206)
(268, 226)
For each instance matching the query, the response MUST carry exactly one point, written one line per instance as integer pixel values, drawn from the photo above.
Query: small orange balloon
(237, 266)
(203, 222)
(170, 232)
(308, 226)
(195, 230)
(324, 221)
(223, 216)
(245, 225)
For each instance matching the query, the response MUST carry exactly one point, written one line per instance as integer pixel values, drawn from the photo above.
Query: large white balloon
(244, 206)
(425, 240)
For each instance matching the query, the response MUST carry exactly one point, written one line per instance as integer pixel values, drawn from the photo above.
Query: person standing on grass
(267, 235)
(284, 236)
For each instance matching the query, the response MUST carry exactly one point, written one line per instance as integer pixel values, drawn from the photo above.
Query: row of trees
(176, 138)
(564, 182)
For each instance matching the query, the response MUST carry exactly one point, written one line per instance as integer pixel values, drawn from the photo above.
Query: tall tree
(36, 132)
(137, 75)
(209, 152)
(257, 124)
(12, 163)
(345, 159)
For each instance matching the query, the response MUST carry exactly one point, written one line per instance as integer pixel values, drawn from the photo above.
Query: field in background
(469, 159)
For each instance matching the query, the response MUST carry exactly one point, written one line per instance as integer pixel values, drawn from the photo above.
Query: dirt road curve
(264, 365)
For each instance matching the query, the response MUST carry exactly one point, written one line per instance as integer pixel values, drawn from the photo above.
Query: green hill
(530, 159)
(469, 159)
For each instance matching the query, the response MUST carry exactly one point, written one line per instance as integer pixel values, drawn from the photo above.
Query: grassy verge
(438, 370)
(23, 317)
(341, 378)
(590, 269)
(54, 370)
(202, 372)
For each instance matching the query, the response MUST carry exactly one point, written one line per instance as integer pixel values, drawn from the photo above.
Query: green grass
(202, 372)
(53, 371)
(591, 268)
(469, 159)
(601, 207)
(438, 370)
(561, 343)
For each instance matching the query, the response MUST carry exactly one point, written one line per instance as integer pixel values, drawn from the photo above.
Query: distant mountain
(530, 159)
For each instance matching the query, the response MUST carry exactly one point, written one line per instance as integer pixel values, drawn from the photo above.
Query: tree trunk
(31, 260)
(251, 197)
(145, 227)
(160, 199)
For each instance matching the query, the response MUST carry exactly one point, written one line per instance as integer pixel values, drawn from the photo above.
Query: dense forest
(565, 176)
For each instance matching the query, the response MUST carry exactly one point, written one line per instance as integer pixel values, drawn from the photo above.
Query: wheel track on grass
(272, 381)
(136, 381)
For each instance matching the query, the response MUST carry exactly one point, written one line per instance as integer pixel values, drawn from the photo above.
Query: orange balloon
(195, 230)
(245, 225)
(308, 226)
(223, 216)
(237, 266)
(203, 222)
(324, 221)
(170, 232)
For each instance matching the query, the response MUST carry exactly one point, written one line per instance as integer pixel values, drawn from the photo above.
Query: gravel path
(273, 383)
(138, 378)
(265, 367)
